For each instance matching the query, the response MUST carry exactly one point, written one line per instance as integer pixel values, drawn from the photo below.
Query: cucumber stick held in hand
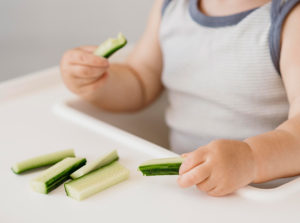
(41, 161)
(56, 175)
(165, 166)
(110, 46)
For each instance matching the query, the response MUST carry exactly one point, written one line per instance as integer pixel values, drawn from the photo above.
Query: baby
(232, 72)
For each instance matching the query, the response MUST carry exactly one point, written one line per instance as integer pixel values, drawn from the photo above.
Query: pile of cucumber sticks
(86, 179)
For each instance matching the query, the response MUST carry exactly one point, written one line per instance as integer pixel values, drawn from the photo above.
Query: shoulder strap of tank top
(279, 11)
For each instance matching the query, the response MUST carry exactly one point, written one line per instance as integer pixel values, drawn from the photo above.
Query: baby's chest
(214, 69)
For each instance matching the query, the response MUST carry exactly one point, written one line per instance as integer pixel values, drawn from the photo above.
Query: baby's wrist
(255, 165)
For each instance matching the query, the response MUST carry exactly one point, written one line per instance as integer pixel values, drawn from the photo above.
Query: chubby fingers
(83, 57)
(207, 185)
(195, 176)
(192, 160)
(90, 49)
(76, 76)
(85, 72)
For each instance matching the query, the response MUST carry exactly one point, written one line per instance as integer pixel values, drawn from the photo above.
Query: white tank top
(222, 73)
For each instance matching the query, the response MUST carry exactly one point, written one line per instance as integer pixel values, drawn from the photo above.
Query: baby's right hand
(82, 71)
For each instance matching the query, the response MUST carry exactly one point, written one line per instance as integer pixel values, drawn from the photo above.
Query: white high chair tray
(37, 116)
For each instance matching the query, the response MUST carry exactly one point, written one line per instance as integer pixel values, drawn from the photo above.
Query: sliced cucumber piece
(56, 175)
(165, 166)
(110, 46)
(40, 161)
(96, 181)
(100, 162)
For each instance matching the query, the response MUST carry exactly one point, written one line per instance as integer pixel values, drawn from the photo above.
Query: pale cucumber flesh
(100, 162)
(96, 181)
(56, 174)
(164, 166)
(110, 46)
(41, 161)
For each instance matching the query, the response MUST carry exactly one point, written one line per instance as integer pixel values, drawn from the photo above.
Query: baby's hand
(218, 168)
(82, 71)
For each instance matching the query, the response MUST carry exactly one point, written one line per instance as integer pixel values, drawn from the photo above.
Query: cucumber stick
(110, 46)
(40, 161)
(100, 162)
(165, 166)
(96, 181)
(56, 174)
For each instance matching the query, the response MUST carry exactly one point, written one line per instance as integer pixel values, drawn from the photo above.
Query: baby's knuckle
(191, 160)
(81, 58)
(83, 71)
(96, 60)
(188, 163)
(69, 56)
(201, 151)
(218, 147)
(203, 187)
(192, 178)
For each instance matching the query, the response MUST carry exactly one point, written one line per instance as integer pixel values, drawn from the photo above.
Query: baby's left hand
(218, 168)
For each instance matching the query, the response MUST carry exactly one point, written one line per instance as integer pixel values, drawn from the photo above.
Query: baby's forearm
(277, 153)
(121, 90)
(137, 82)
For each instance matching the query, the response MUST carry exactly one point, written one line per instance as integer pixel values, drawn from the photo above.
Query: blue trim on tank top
(165, 5)
(279, 11)
(215, 21)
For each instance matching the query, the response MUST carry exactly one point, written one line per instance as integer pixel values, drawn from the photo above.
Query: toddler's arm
(223, 166)
(127, 86)
(277, 153)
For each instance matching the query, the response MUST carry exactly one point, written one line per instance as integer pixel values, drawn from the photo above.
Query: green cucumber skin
(36, 167)
(162, 173)
(160, 169)
(112, 51)
(12, 169)
(157, 172)
(161, 166)
(62, 177)
(45, 164)
(108, 52)
(66, 190)
(57, 184)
